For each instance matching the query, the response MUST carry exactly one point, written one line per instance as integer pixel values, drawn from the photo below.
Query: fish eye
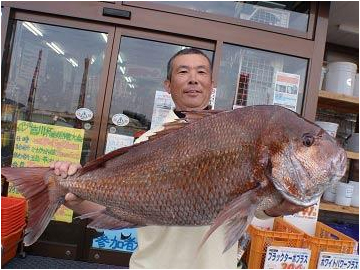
(308, 139)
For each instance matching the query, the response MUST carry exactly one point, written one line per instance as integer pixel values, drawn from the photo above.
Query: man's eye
(182, 71)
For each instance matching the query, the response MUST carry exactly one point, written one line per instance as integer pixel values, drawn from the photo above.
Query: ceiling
(345, 14)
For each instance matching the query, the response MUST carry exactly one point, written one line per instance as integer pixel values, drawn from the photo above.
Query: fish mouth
(304, 189)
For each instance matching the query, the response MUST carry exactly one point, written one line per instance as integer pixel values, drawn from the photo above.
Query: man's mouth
(192, 91)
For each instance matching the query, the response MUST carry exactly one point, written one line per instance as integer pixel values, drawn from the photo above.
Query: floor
(38, 262)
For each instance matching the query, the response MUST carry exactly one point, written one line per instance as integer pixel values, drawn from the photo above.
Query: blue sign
(120, 240)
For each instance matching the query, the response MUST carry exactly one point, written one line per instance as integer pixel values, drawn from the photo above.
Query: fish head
(305, 159)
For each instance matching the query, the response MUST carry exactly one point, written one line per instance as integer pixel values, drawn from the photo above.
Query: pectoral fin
(237, 215)
(104, 220)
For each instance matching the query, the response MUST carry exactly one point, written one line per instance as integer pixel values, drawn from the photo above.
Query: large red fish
(209, 169)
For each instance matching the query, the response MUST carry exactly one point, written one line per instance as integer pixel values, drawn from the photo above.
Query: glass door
(54, 80)
(55, 76)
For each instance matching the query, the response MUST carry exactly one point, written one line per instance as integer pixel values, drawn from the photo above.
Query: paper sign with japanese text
(37, 145)
(116, 141)
(286, 90)
(328, 260)
(287, 258)
(305, 219)
(163, 104)
(120, 240)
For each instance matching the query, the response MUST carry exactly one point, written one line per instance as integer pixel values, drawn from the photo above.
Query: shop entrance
(102, 79)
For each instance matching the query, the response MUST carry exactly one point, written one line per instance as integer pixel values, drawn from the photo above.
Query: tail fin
(44, 198)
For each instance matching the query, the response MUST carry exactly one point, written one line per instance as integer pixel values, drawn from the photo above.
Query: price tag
(287, 258)
(328, 260)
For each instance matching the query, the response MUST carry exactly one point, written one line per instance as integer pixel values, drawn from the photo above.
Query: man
(189, 81)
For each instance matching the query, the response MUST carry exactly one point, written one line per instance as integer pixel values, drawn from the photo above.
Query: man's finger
(73, 168)
(64, 168)
(72, 200)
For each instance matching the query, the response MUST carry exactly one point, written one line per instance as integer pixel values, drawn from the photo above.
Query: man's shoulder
(169, 118)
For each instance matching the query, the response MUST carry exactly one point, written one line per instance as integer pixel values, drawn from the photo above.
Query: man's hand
(65, 169)
(80, 206)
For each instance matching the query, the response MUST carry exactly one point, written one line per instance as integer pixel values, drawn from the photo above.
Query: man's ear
(167, 86)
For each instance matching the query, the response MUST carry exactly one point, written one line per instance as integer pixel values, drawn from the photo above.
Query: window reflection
(253, 77)
(293, 15)
(52, 71)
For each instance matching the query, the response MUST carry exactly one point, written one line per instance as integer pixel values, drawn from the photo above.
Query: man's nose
(193, 78)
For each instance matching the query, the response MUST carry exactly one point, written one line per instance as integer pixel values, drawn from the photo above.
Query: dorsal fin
(191, 116)
(100, 161)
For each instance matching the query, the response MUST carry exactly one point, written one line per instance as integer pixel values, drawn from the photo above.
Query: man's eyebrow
(202, 66)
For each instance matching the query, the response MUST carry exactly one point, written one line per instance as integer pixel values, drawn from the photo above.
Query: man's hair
(184, 52)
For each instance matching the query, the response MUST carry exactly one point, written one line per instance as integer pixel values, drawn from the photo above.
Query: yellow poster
(37, 145)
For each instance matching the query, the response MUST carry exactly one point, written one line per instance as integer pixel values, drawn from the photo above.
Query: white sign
(212, 98)
(84, 114)
(287, 258)
(116, 141)
(328, 260)
(163, 104)
(286, 90)
(305, 219)
(120, 119)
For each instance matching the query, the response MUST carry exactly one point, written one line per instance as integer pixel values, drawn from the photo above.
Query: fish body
(209, 169)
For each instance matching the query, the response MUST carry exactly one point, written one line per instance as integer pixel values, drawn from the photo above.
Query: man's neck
(182, 115)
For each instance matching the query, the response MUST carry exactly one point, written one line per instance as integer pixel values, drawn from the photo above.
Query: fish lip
(305, 203)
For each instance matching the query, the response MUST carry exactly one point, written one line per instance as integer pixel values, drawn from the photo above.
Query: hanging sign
(212, 98)
(287, 258)
(328, 260)
(163, 104)
(120, 120)
(116, 141)
(84, 114)
(37, 145)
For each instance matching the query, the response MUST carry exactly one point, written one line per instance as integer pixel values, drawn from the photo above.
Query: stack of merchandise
(13, 221)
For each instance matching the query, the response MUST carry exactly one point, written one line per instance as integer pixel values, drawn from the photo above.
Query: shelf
(328, 206)
(352, 155)
(338, 102)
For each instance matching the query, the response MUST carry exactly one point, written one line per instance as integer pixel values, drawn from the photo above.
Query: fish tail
(43, 196)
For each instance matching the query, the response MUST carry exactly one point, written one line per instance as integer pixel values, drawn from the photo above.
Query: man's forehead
(191, 60)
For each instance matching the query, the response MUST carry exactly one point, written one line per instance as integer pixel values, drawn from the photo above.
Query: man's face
(191, 82)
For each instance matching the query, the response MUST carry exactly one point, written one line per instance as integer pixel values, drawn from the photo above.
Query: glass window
(254, 77)
(51, 72)
(140, 73)
(293, 15)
